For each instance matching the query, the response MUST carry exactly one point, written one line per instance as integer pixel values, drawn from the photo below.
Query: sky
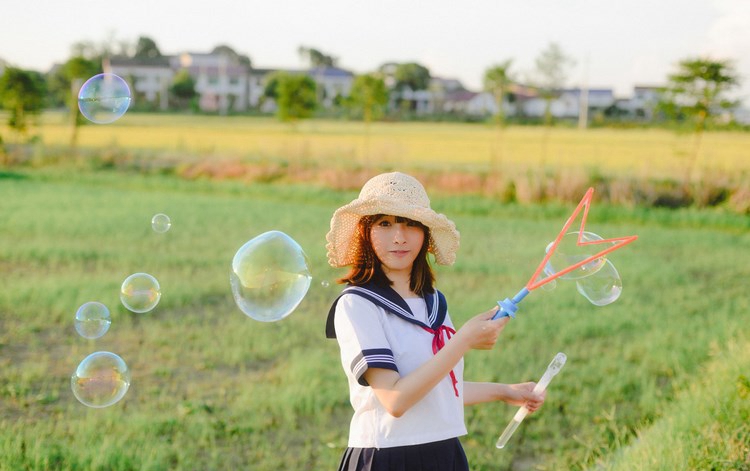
(615, 44)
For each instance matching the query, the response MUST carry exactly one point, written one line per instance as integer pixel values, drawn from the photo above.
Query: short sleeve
(361, 337)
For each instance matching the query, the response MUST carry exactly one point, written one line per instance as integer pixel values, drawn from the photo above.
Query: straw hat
(394, 194)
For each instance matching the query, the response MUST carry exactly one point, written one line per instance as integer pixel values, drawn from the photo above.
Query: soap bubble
(104, 98)
(603, 287)
(270, 276)
(100, 380)
(160, 223)
(549, 285)
(92, 320)
(325, 283)
(140, 292)
(568, 253)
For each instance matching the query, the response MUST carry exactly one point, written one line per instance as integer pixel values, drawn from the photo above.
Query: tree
(551, 68)
(68, 81)
(316, 58)
(271, 84)
(146, 48)
(108, 47)
(697, 91)
(368, 97)
(497, 80)
(183, 88)
(411, 75)
(234, 56)
(296, 97)
(22, 94)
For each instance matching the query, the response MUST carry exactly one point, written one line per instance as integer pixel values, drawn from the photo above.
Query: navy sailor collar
(387, 298)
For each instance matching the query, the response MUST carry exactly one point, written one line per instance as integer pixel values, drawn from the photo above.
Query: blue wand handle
(508, 307)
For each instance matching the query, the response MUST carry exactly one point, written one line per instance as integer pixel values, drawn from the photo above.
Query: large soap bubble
(569, 252)
(100, 380)
(140, 292)
(104, 98)
(603, 287)
(92, 320)
(270, 276)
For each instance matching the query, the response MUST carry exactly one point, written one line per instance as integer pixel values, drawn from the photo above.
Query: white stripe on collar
(384, 300)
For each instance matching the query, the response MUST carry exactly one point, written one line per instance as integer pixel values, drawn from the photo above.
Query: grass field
(657, 380)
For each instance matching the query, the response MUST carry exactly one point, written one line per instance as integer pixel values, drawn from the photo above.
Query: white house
(465, 102)
(568, 102)
(643, 102)
(331, 82)
(221, 81)
(149, 79)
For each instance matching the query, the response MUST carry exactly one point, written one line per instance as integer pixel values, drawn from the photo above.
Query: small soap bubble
(100, 380)
(603, 287)
(140, 292)
(568, 252)
(325, 284)
(92, 320)
(550, 285)
(270, 276)
(161, 223)
(104, 98)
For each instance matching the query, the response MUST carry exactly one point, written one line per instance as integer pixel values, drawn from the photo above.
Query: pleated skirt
(445, 455)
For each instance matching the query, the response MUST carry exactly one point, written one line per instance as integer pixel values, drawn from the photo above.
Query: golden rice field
(653, 153)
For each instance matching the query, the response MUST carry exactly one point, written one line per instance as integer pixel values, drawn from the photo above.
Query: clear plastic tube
(554, 367)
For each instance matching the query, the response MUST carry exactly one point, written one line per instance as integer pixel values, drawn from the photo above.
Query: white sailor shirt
(376, 328)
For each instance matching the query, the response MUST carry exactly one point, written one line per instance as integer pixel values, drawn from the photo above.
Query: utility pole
(583, 98)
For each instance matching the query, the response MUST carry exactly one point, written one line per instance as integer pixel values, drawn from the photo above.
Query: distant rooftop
(330, 72)
(163, 61)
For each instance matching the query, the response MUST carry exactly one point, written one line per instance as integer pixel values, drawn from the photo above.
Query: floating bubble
(140, 292)
(104, 98)
(270, 276)
(161, 223)
(550, 285)
(100, 380)
(603, 287)
(325, 284)
(92, 320)
(569, 252)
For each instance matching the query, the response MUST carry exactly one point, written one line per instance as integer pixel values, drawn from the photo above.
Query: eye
(384, 223)
(414, 223)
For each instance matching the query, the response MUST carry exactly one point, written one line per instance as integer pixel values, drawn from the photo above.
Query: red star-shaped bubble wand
(508, 307)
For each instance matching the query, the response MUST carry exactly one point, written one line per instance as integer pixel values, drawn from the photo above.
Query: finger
(498, 324)
(488, 315)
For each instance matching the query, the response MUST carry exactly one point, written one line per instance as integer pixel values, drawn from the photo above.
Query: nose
(398, 234)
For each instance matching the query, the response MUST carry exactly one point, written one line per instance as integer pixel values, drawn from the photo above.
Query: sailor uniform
(377, 328)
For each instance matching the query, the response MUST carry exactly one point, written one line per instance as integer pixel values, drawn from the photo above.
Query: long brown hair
(368, 268)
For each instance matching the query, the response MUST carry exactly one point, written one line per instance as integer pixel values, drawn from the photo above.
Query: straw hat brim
(444, 237)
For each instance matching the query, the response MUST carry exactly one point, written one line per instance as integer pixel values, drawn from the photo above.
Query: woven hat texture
(394, 194)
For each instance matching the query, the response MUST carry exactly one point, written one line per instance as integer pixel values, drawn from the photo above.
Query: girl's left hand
(522, 394)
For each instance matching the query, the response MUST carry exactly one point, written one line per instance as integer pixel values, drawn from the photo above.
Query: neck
(400, 282)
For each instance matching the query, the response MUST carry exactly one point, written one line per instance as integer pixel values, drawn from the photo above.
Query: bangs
(399, 219)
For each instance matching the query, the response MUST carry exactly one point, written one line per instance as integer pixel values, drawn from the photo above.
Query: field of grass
(652, 153)
(657, 380)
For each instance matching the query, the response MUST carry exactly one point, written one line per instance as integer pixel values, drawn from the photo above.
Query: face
(397, 242)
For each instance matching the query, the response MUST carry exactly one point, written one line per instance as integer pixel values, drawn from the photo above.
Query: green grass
(706, 427)
(214, 389)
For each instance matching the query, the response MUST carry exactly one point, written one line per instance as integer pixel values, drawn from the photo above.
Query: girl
(401, 355)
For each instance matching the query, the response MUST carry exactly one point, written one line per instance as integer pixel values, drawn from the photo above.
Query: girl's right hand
(481, 332)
